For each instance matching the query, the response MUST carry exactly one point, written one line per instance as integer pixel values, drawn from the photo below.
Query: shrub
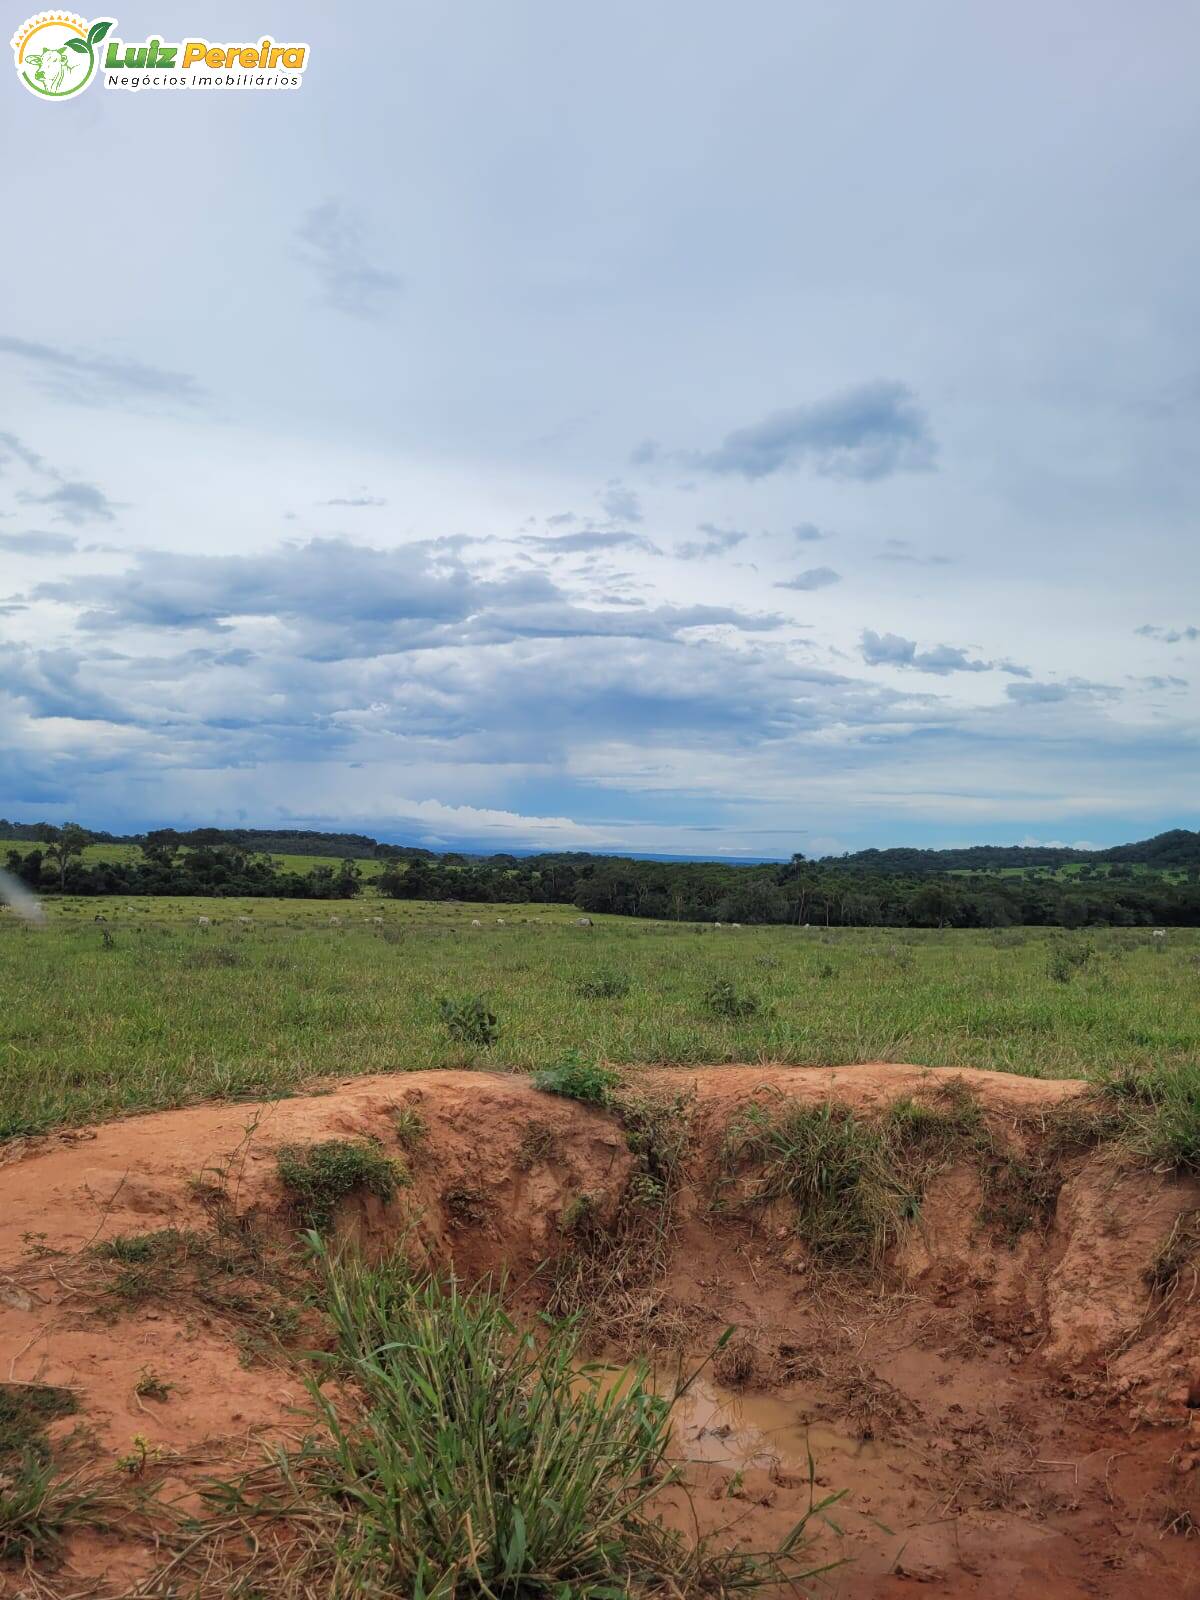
(578, 1079)
(318, 1176)
(468, 1021)
(724, 1000)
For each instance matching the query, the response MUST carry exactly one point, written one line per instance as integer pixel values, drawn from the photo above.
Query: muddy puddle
(719, 1426)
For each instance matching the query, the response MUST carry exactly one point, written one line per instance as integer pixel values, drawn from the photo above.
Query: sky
(681, 428)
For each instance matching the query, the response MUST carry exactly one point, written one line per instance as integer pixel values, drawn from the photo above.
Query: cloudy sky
(689, 427)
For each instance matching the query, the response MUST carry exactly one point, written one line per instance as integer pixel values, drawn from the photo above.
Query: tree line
(821, 893)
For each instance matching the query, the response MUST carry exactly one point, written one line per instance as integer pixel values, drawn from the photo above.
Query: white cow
(583, 922)
(204, 922)
(1159, 933)
(475, 922)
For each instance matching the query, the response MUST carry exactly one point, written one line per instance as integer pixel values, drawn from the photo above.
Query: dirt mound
(1010, 1398)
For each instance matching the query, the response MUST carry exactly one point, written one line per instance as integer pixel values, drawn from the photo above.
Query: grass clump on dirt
(577, 1079)
(475, 1462)
(1176, 1265)
(39, 1502)
(837, 1172)
(318, 1177)
(25, 1409)
(608, 1270)
(39, 1505)
(1158, 1114)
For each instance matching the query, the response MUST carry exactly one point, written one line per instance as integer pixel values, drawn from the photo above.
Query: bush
(319, 1176)
(469, 1021)
(579, 1080)
(724, 1000)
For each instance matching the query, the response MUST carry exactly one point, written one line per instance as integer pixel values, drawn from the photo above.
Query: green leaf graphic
(97, 31)
(77, 44)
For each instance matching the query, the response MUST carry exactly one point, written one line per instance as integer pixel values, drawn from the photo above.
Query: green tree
(62, 844)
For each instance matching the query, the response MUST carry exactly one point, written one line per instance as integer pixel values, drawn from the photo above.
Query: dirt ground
(1007, 1416)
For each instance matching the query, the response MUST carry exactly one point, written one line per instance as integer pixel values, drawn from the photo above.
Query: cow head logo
(56, 53)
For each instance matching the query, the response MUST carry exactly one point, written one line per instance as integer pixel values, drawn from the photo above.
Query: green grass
(465, 1459)
(318, 1177)
(173, 1013)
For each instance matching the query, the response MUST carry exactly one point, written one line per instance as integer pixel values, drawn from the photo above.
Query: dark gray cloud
(38, 544)
(347, 600)
(865, 433)
(893, 650)
(716, 542)
(73, 501)
(808, 533)
(331, 240)
(96, 380)
(813, 578)
(1149, 630)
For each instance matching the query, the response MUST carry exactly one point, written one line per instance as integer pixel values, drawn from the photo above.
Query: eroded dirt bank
(1012, 1409)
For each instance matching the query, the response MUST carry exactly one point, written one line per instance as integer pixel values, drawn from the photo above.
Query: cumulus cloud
(716, 542)
(344, 600)
(97, 380)
(808, 533)
(813, 578)
(332, 241)
(893, 650)
(865, 433)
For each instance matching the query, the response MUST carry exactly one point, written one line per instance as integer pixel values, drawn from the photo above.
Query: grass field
(171, 1012)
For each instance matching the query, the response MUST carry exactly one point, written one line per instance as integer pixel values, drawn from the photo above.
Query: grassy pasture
(171, 1012)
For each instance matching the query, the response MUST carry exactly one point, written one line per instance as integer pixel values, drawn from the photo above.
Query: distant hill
(1176, 850)
(1166, 851)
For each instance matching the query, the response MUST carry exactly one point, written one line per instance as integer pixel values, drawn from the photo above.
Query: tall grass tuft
(466, 1459)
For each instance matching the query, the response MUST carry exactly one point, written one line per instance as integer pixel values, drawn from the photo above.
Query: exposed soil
(1011, 1413)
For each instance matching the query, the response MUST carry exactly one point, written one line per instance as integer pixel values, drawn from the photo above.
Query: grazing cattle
(499, 922)
(1159, 933)
(335, 922)
(475, 922)
(245, 920)
(583, 922)
(735, 924)
(378, 921)
(204, 922)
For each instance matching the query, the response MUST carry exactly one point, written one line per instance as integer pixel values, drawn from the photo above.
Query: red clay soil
(1008, 1417)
